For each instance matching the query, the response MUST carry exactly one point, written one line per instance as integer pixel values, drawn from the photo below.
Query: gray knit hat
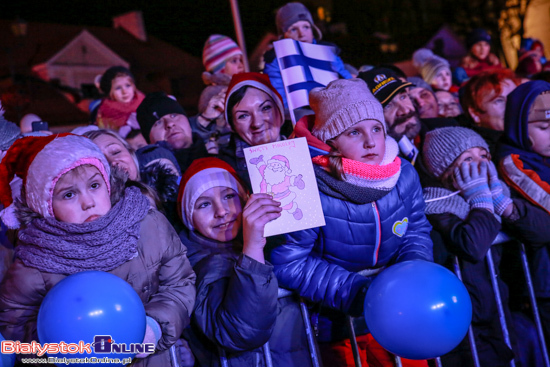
(291, 13)
(444, 145)
(341, 104)
(9, 132)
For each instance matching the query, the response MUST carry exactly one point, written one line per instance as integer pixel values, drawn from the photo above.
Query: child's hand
(471, 179)
(258, 211)
(501, 202)
(152, 335)
(215, 107)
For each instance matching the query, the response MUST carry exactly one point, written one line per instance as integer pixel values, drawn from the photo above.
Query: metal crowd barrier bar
(534, 306)
(312, 345)
(471, 337)
(498, 299)
(502, 237)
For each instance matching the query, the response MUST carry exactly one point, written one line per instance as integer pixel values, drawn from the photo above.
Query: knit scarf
(103, 244)
(440, 201)
(114, 114)
(363, 183)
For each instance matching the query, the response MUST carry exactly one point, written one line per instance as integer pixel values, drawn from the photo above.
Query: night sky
(184, 23)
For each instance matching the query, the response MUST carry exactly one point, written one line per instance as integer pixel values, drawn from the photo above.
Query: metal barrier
(312, 344)
(501, 238)
(355, 348)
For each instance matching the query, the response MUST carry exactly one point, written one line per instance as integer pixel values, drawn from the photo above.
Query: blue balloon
(89, 304)
(418, 310)
(6, 360)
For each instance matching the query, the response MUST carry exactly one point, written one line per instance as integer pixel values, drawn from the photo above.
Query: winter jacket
(161, 275)
(237, 309)
(271, 68)
(322, 264)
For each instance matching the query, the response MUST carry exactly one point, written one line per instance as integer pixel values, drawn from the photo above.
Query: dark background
(187, 23)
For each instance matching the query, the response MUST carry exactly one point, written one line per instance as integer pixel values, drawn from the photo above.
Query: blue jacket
(271, 68)
(321, 264)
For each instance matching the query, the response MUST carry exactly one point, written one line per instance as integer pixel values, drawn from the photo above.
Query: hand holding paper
(258, 211)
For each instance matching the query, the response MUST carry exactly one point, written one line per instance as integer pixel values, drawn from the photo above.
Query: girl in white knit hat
(374, 213)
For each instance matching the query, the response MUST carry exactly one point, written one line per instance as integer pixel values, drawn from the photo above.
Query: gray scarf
(104, 244)
(439, 201)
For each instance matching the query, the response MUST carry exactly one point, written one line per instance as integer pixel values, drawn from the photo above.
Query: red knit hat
(204, 174)
(40, 162)
(258, 81)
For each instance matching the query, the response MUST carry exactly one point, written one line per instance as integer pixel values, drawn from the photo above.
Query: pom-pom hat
(41, 161)
(217, 50)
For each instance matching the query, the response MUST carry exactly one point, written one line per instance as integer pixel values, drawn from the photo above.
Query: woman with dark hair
(254, 110)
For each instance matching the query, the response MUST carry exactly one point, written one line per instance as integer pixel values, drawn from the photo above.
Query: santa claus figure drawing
(277, 181)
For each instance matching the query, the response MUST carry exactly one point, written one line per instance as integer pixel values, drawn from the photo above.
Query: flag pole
(239, 31)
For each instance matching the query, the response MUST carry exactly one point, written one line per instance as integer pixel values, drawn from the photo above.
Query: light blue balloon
(91, 303)
(418, 310)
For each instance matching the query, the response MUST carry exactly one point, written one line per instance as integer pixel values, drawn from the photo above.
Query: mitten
(256, 160)
(471, 179)
(299, 183)
(500, 201)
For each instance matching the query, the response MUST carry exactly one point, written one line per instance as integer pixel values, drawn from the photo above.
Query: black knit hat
(109, 75)
(476, 36)
(153, 108)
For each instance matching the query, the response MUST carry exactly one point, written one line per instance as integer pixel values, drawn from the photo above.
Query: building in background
(50, 68)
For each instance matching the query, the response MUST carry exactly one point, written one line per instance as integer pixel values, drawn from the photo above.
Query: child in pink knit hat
(75, 215)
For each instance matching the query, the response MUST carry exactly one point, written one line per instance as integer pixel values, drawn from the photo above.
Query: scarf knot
(103, 244)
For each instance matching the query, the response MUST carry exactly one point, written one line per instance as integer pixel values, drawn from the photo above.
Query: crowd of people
(434, 167)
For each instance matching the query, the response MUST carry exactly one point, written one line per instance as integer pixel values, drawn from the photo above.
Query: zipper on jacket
(378, 233)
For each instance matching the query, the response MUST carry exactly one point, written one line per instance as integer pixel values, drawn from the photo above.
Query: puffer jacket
(161, 275)
(238, 309)
(322, 264)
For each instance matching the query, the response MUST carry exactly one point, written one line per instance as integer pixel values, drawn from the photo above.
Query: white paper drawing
(284, 170)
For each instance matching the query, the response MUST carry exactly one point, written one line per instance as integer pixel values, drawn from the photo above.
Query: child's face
(364, 142)
(218, 214)
(539, 134)
(481, 50)
(476, 154)
(234, 65)
(123, 89)
(80, 196)
(442, 80)
(300, 31)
